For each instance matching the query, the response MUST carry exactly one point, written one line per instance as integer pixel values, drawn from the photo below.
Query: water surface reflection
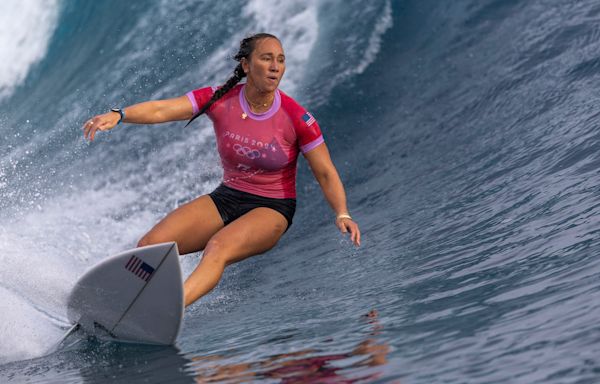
(362, 363)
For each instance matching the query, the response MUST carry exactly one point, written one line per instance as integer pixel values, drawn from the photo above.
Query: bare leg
(254, 233)
(190, 226)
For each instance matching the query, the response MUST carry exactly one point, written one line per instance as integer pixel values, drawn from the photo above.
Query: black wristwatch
(120, 112)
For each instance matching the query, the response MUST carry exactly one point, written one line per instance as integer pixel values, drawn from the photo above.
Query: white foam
(359, 50)
(44, 251)
(25, 332)
(384, 23)
(26, 27)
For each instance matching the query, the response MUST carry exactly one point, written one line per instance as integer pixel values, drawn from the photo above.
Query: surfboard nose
(136, 295)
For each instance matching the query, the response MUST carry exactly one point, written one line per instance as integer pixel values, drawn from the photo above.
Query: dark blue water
(466, 133)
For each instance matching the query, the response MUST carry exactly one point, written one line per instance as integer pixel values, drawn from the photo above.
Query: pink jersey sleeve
(307, 129)
(199, 97)
(309, 132)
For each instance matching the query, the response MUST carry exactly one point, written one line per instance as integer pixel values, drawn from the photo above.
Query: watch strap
(120, 112)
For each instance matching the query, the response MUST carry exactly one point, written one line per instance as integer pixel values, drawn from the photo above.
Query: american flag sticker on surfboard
(142, 270)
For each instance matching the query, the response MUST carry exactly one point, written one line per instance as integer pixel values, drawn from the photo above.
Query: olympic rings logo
(245, 151)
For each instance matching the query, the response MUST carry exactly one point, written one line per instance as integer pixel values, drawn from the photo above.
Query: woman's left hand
(346, 225)
(104, 122)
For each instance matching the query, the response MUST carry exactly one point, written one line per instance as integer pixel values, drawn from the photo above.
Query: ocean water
(466, 133)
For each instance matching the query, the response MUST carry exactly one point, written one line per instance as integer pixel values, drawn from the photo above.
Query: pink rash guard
(259, 151)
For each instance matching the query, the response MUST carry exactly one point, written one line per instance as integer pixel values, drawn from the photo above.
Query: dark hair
(247, 46)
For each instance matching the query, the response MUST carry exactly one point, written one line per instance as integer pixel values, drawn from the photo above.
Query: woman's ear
(245, 65)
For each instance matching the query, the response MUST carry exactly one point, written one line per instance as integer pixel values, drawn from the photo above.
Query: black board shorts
(233, 204)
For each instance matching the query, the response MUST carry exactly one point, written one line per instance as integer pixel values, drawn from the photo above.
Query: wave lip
(26, 27)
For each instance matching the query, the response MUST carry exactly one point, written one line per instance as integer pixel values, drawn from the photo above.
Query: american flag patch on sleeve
(142, 270)
(308, 119)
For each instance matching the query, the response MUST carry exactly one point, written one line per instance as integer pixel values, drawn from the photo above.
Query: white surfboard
(134, 296)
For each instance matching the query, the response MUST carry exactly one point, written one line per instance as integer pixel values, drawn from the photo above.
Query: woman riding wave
(260, 132)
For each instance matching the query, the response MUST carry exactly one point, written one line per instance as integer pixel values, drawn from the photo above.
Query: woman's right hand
(104, 122)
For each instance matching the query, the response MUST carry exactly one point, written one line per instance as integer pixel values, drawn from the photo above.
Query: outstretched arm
(149, 112)
(333, 189)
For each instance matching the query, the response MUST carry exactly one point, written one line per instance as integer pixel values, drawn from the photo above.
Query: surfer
(260, 132)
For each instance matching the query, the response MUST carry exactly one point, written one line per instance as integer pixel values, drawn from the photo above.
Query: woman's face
(266, 65)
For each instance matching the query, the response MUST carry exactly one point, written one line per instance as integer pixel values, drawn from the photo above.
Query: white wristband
(343, 216)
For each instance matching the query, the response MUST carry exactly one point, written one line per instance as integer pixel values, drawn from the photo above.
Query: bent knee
(151, 239)
(215, 247)
(219, 251)
(144, 241)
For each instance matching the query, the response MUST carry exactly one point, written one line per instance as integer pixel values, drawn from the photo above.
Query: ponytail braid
(238, 74)
(246, 48)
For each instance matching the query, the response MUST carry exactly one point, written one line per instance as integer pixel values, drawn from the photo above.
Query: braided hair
(247, 46)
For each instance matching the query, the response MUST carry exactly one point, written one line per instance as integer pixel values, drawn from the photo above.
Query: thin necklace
(258, 105)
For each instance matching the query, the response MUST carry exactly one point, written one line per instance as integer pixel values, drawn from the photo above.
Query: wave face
(25, 31)
(466, 135)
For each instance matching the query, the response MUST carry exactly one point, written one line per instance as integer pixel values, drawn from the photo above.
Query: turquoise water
(466, 135)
